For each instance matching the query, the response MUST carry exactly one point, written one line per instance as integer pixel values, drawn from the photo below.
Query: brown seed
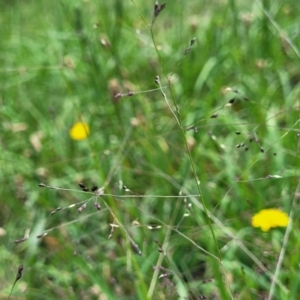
(94, 188)
(158, 8)
(81, 208)
(192, 41)
(55, 211)
(136, 248)
(20, 240)
(118, 95)
(20, 270)
(97, 206)
(41, 235)
(187, 51)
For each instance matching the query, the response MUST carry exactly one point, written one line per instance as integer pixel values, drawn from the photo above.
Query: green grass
(64, 62)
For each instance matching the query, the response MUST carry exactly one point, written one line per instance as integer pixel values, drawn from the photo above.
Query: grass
(65, 62)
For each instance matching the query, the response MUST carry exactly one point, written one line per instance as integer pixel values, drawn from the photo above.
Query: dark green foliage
(233, 69)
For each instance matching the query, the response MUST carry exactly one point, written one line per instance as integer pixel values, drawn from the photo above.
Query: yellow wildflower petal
(265, 227)
(79, 131)
(270, 218)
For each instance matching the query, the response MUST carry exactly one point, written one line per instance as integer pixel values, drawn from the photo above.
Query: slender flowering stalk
(178, 119)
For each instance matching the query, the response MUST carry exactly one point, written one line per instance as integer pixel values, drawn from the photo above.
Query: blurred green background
(64, 61)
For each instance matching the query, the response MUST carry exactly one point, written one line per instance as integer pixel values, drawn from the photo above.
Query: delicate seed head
(20, 270)
(158, 8)
(81, 185)
(55, 211)
(42, 235)
(97, 206)
(187, 51)
(226, 90)
(136, 248)
(126, 189)
(193, 40)
(99, 192)
(118, 95)
(94, 188)
(164, 275)
(20, 240)
(81, 208)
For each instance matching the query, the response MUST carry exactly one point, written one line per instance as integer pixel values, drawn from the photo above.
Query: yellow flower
(270, 218)
(79, 131)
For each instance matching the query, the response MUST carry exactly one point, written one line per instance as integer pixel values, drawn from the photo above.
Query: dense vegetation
(193, 115)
